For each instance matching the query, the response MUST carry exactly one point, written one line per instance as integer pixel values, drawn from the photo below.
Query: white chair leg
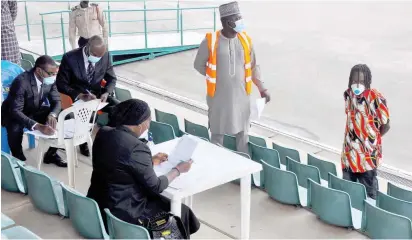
(70, 153)
(76, 157)
(90, 145)
(40, 153)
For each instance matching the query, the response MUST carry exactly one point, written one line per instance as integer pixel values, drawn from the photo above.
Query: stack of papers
(182, 152)
(68, 131)
(256, 108)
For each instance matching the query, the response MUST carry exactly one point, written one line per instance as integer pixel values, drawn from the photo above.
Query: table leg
(70, 161)
(245, 206)
(176, 207)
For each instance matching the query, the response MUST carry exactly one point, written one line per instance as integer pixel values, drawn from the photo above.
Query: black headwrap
(130, 112)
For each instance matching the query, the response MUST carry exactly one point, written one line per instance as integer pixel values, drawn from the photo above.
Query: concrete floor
(218, 207)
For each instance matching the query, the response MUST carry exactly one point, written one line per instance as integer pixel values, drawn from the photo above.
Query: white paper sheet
(183, 150)
(68, 133)
(256, 108)
(101, 105)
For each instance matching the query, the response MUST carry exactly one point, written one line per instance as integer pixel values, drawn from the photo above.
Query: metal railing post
(27, 21)
(214, 19)
(181, 27)
(63, 37)
(177, 15)
(145, 24)
(109, 19)
(44, 35)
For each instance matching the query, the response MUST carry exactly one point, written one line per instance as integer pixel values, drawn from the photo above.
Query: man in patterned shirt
(367, 121)
(9, 45)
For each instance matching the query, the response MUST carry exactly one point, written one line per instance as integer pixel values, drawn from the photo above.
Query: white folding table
(213, 166)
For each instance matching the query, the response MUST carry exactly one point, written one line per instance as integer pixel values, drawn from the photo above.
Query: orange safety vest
(212, 40)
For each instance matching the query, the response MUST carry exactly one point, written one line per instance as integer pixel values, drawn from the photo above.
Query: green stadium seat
(324, 167)
(170, 119)
(11, 179)
(394, 205)
(356, 191)
(161, 132)
(119, 229)
(197, 130)
(270, 156)
(286, 152)
(122, 94)
(400, 193)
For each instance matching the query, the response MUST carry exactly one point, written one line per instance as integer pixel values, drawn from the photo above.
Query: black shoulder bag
(165, 226)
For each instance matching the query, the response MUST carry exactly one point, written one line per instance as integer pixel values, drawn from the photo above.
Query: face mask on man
(358, 89)
(49, 80)
(239, 26)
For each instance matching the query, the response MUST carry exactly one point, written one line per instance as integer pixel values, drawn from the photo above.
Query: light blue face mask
(240, 26)
(93, 59)
(49, 80)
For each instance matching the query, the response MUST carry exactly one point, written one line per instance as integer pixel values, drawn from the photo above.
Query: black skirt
(158, 204)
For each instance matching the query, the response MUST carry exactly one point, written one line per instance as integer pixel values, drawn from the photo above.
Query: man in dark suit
(81, 73)
(33, 103)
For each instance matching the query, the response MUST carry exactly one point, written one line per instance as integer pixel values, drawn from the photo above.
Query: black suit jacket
(123, 178)
(24, 101)
(72, 77)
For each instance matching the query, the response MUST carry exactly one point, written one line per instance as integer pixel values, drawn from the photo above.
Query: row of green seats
(8, 231)
(53, 197)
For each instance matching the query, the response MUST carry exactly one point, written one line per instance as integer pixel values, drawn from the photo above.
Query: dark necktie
(90, 73)
(41, 94)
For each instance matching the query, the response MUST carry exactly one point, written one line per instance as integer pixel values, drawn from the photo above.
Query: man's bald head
(97, 47)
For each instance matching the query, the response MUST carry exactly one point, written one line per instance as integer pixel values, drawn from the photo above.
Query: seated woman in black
(123, 179)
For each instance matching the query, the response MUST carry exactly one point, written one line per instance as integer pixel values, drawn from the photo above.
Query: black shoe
(84, 150)
(55, 159)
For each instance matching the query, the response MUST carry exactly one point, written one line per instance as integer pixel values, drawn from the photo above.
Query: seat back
(281, 185)
(84, 214)
(161, 132)
(270, 156)
(196, 130)
(66, 101)
(119, 229)
(303, 172)
(28, 57)
(381, 224)
(286, 152)
(394, 205)
(229, 142)
(170, 119)
(356, 191)
(324, 167)
(26, 65)
(80, 132)
(40, 190)
(330, 205)
(399, 192)
(122, 94)
(6, 221)
(257, 141)
(10, 177)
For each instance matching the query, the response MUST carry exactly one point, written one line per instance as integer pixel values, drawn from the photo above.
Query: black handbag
(165, 226)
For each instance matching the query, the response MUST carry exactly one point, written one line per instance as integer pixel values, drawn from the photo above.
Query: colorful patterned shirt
(366, 113)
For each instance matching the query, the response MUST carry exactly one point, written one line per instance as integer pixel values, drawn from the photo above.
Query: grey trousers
(242, 140)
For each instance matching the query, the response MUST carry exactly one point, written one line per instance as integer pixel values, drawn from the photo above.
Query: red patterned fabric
(362, 147)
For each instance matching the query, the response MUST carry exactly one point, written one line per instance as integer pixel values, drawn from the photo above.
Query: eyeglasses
(49, 73)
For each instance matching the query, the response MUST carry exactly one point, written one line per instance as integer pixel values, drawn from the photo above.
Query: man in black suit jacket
(81, 73)
(33, 103)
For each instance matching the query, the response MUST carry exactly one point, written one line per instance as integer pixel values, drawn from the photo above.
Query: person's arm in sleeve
(16, 96)
(143, 172)
(202, 57)
(63, 79)
(55, 101)
(256, 76)
(103, 23)
(13, 9)
(110, 76)
(383, 114)
(72, 29)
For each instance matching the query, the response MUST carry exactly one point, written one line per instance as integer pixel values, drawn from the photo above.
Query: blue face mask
(93, 59)
(49, 80)
(239, 26)
(358, 89)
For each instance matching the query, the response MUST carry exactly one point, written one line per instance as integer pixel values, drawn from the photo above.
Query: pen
(88, 92)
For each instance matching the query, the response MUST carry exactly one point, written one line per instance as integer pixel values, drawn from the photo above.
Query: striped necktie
(90, 73)
(41, 94)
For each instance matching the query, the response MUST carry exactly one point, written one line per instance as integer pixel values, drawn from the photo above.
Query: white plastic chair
(78, 132)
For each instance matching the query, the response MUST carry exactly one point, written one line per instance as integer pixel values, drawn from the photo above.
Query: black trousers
(368, 179)
(158, 204)
(15, 132)
(82, 42)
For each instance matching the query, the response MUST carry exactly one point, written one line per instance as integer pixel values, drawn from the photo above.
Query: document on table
(183, 150)
(68, 131)
(101, 105)
(256, 108)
